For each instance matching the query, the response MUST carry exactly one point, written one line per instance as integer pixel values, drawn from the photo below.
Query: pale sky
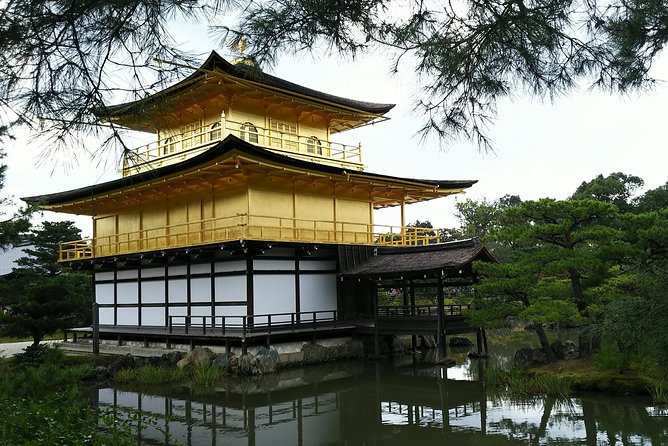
(542, 149)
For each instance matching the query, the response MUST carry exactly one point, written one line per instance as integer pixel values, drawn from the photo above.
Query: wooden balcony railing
(422, 310)
(198, 139)
(244, 325)
(247, 227)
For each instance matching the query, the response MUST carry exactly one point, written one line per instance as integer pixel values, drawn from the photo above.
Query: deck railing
(247, 227)
(177, 147)
(245, 325)
(421, 310)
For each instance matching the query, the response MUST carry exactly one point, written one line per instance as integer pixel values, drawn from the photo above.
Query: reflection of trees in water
(586, 419)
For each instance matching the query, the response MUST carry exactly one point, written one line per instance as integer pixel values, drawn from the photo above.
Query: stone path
(12, 348)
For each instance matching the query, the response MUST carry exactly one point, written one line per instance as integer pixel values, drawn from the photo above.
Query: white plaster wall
(178, 290)
(283, 265)
(126, 274)
(230, 288)
(179, 270)
(127, 316)
(104, 293)
(153, 316)
(274, 294)
(317, 265)
(127, 293)
(317, 292)
(200, 268)
(153, 272)
(200, 289)
(153, 292)
(106, 316)
(108, 275)
(235, 265)
(236, 310)
(201, 311)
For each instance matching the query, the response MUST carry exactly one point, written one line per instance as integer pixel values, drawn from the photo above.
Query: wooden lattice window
(248, 132)
(313, 145)
(284, 135)
(214, 131)
(191, 135)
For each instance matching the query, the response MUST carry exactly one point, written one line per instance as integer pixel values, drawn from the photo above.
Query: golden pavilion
(244, 213)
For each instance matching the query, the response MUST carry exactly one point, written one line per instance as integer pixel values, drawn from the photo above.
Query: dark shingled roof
(245, 72)
(417, 261)
(218, 151)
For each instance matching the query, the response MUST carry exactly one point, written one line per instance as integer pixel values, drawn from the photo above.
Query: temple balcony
(247, 227)
(199, 138)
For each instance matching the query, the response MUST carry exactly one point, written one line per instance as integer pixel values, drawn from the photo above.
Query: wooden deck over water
(259, 329)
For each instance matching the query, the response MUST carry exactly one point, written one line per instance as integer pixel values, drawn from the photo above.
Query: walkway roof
(451, 259)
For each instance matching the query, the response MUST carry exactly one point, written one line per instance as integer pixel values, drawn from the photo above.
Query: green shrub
(35, 355)
(612, 360)
(42, 405)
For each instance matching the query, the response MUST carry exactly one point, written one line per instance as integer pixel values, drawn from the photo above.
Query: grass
(658, 389)
(206, 376)
(201, 376)
(521, 382)
(587, 375)
(149, 374)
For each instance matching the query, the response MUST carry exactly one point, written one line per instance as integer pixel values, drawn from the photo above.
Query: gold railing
(180, 146)
(247, 227)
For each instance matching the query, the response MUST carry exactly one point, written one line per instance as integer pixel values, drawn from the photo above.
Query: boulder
(170, 359)
(315, 354)
(223, 361)
(460, 341)
(526, 357)
(185, 362)
(201, 356)
(264, 365)
(429, 341)
(245, 366)
(121, 363)
(266, 361)
(571, 350)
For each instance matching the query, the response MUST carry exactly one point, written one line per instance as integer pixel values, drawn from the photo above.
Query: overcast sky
(542, 149)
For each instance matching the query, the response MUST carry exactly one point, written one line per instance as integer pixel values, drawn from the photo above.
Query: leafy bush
(35, 355)
(42, 405)
(613, 360)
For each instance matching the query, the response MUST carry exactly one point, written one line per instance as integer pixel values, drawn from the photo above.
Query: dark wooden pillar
(440, 335)
(96, 328)
(376, 339)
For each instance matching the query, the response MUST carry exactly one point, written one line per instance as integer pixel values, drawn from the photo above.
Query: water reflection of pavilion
(353, 405)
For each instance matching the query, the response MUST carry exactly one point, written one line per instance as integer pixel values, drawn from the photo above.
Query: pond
(373, 403)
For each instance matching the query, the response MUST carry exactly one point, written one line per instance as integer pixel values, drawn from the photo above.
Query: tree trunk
(578, 295)
(545, 344)
(542, 337)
